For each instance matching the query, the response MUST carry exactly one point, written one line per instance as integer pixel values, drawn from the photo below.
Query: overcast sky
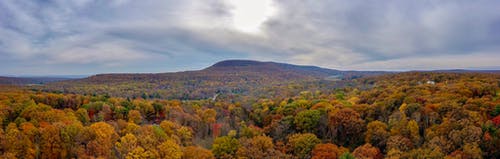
(54, 37)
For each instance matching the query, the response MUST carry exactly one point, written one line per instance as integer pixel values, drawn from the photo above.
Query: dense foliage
(405, 115)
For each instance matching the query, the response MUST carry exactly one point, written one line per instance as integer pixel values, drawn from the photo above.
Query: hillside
(29, 80)
(400, 115)
(231, 77)
(224, 69)
(272, 69)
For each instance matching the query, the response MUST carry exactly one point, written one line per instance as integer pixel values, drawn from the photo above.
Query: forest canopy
(403, 115)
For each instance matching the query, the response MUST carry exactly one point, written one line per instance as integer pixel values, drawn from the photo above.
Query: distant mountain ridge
(238, 63)
(272, 67)
(464, 71)
(228, 69)
(29, 80)
(230, 77)
(284, 66)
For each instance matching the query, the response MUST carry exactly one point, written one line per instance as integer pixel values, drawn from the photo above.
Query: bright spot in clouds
(100, 36)
(248, 15)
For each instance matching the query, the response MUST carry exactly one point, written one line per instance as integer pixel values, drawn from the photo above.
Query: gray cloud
(95, 36)
(392, 29)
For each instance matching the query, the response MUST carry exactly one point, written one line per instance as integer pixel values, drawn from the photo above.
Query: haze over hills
(30, 80)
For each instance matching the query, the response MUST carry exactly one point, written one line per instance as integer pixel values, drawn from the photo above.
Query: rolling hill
(29, 80)
(234, 77)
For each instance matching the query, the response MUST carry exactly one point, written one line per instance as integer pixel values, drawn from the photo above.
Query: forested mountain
(29, 80)
(252, 109)
(401, 115)
(232, 77)
(338, 79)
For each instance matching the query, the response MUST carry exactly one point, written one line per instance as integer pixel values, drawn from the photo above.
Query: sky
(57, 37)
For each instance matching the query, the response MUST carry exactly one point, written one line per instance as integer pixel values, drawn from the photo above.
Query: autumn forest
(249, 79)
(375, 115)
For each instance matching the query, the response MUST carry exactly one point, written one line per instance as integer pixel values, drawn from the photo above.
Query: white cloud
(248, 16)
(337, 34)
